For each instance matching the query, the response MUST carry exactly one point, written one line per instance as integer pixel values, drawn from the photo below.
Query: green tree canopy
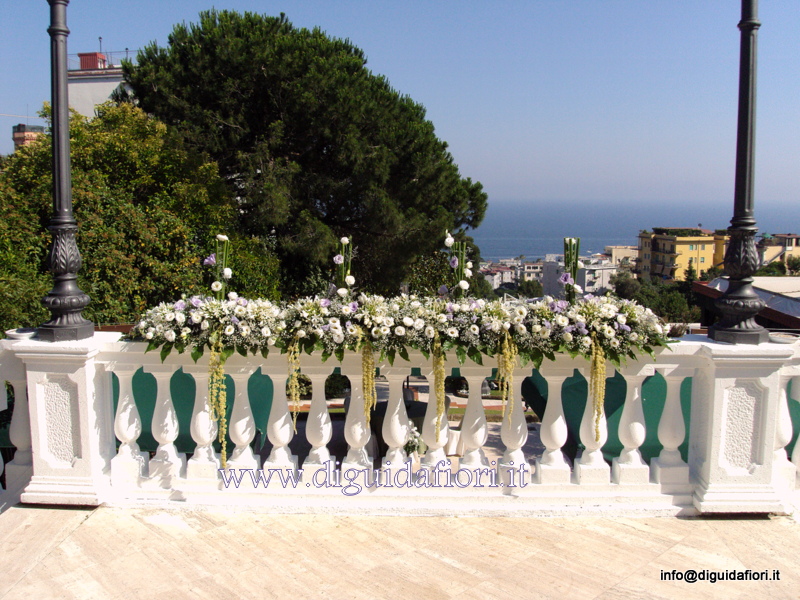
(312, 144)
(147, 211)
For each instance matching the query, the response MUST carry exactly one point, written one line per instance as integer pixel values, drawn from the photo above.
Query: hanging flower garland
(597, 383)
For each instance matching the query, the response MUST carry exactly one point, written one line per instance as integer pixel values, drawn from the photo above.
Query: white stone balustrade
(739, 428)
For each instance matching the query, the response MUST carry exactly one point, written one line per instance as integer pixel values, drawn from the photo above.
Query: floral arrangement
(597, 328)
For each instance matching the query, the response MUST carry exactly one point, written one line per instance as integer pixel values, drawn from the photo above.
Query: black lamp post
(740, 304)
(65, 301)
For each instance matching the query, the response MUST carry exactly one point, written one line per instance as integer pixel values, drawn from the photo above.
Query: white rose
(342, 292)
(233, 296)
(345, 241)
(419, 324)
(266, 332)
(204, 325)
(196, 317)
(408, 321)
(349, 280)
(567, 336)
(467, 272)
(148, 335)
(622, 319)
(429, 332)
(469, 264)
(463, 285)
(449, 241)
(338, 338)
(222, 238)
(400, 331)
(180, 318)
(301, 333)
(227, 273)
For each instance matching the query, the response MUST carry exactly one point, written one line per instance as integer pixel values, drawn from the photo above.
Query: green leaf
(339, 353)
(403, 352)
(475, 355)
(241, 350)
(461, 354)
(152, 346)
(226, 353)
(264, 351)
(165, 350)
(197, 352)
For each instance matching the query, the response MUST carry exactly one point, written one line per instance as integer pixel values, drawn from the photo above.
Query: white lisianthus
(419, 324)
(586, 341)
(376, 332)
(467, 272)
(227, 273)
(385, 330)
(429, 332)
(567, 337)
(222, 238)
(449, 241)
(266, 332)
(536, 328)
(469, 264)
(169, 335)
(180, 318)
(506, 325)
(342, 292)
(301, 333)
(195, 317)
(464, 285)
(204, 325)
(170, 316)
(345, 241)
(622, 319)
(452, 332)
(562, 320)
(474, 329)
(338, 338)
(608, 331)
(408, 321)
(346, 310)
(148, 335)
(399, 331)
(240, 311)
(244, 329)
(495, 326)
(441, 318)
(229, 330)
(233, 296)
(578, 289)
(633, 336)
(349, 280)
(614, 343)
(520, 328)
(580, 264)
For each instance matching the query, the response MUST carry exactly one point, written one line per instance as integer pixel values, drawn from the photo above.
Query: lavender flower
(210, 260)
(454, 262)
(566, 279)
(338, 259)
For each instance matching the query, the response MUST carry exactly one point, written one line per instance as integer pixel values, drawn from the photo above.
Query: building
(667, 252)
(93, 80)
(779, 246)
(24, 135)
(622, 256)
(593, 278)
(530, 271)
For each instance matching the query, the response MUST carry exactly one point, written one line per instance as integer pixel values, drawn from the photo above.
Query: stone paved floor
(110, 554)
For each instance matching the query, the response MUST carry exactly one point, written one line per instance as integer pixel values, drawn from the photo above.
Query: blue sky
(610, 101)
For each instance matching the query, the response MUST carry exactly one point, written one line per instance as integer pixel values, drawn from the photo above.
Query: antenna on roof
(101, 43)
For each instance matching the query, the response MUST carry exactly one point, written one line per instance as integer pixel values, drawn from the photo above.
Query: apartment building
(667, 252)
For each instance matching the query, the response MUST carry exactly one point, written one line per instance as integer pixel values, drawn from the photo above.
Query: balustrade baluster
(356, 430)
(796, 397)
(435, 443)
(168, 464)
(19, 431)
(129, 466)
(395, 424)
(474, 429)
(591, 468)
(319, 429)
(552, 467)
(242, 426)
(784, 471)
(514, 434)
(204, 464)
(629, 466)
(669, 467)
(280, 427)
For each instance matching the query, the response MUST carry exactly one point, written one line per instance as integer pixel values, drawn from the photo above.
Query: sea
(536, 228)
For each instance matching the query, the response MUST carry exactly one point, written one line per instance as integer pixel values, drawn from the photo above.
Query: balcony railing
(716, 440)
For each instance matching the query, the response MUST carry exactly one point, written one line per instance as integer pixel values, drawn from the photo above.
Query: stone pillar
(735, 414)
(72, 439)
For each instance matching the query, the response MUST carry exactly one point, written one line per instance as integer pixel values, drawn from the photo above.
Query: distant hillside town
(668, 254)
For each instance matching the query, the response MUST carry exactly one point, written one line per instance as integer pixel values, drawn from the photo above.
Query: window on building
(691, 246)
(702, 246)
(702, 259)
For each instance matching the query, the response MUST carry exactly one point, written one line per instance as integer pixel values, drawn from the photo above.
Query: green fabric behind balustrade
(575, 391)
(182, 391)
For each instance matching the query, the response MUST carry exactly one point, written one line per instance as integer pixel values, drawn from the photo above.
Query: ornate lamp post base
(739, 306)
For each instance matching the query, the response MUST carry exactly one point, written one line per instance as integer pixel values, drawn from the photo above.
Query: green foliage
(482, 288)
(711, 273)
(427, 274)
(625, 286)
(530, 289)
(773, 269)
(793, 264)
(147, 211)
(310, 142)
